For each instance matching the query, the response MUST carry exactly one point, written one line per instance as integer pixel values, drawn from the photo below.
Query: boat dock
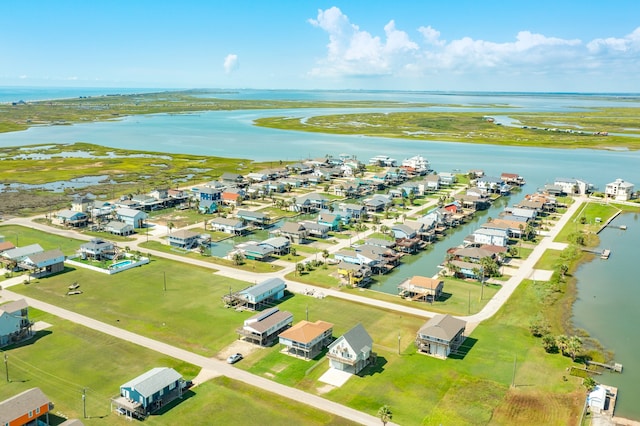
(613, 367)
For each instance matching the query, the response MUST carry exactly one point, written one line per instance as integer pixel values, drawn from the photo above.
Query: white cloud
(354, 52)
(351, 51)
(231, 63)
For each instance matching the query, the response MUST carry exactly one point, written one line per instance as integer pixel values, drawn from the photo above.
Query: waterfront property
(352, 352)
(30, 407)
(263, 328)
(440, 336)
(422, 289)
(619, 190)
(149, 392)
(307, 339)
(254, 218)
(184, 239)
(228, 225)
(280, 245)
(14, 322)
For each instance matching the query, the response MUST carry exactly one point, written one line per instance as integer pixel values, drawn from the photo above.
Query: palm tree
(238, 258)
(325, 255)
(385, 414)
(574, 346)
(562, 342)
(563, 269)
(170, 226)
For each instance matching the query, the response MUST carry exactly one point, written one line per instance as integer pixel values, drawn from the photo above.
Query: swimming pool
(121, 264)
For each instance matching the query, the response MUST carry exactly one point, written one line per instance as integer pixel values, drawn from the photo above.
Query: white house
(619, 190)
(131, 217)
(494, 237)
(351, 352)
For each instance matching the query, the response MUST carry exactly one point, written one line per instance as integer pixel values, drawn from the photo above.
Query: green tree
(562, 342)
(574, 347)
(385, 414)
(170, 226)
(299, 268)
(549, 343)
(238, 258)
(325, 255)
(589, 383)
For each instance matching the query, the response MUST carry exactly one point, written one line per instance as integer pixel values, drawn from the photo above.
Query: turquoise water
(606, 289)
(121, 264)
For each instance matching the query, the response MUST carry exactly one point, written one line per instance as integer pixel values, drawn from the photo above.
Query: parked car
(234, 358)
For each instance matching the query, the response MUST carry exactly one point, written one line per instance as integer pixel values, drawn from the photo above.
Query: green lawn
(590, 211)
(247, 265)
(135, 299)
(66, 357)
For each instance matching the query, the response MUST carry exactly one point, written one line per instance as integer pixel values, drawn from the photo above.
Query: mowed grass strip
(189, 314)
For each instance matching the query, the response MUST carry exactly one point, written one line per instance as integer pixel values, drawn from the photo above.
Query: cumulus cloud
(352, 51)
(231, 63)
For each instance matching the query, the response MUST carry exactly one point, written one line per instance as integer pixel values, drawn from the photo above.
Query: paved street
(216, 367)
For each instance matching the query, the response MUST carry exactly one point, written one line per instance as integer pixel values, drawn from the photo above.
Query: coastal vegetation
(41, 177)
(588, 129)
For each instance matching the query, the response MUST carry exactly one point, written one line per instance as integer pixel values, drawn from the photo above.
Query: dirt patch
(203, 376)
(525, 407)
(239, 346)
(324, 389)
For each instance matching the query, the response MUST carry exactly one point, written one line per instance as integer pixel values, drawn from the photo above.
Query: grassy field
(65, 358)
(589, 211)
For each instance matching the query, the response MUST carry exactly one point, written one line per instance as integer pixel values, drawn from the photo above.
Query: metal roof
(153, 380)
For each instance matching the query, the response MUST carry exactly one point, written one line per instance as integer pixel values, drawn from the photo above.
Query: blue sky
(568, 46)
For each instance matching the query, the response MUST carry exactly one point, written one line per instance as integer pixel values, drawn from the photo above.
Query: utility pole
(6, 365)
(84, 402)
(164, 277)
(307, 310)
(398, 343)
(513, 377)
(469, 304)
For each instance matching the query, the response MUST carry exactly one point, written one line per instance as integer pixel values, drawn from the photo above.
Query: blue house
(132, 217)
(206, 193)
(264, 292)
(14, 322)
(330, 219)
(207, 206)
(150, 391)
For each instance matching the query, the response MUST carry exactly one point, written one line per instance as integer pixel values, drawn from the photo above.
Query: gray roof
(184, 234)
(276, 242)
(21, 404)
(129, 212)
(96, 244)
(444, 327)
(20, 252)
(264, 286)
(15, 306)
(292, 228)
(357, 338)
(267, 321)
(227, 221)
(251, 214)
(44, 256)
(116, 225)
(153, 380)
